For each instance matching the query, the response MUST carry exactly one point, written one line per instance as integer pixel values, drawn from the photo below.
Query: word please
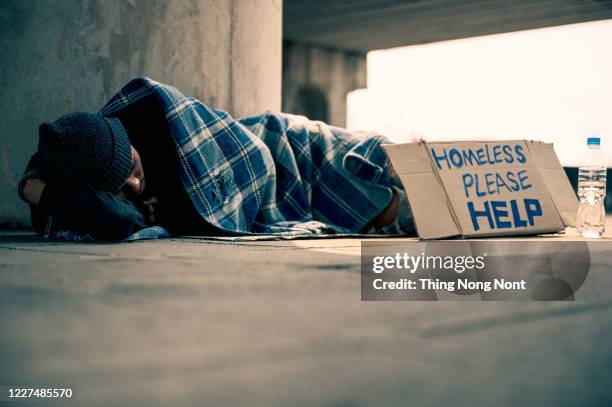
(492, 183)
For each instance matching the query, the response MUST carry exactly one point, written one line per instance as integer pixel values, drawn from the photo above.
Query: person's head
(89, 148)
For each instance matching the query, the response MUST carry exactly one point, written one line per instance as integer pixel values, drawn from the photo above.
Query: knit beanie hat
(85, 148)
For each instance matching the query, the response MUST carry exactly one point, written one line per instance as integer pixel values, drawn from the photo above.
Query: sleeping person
(154, 157)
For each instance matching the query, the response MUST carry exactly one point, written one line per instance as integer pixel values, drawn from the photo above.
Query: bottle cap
(593, 141)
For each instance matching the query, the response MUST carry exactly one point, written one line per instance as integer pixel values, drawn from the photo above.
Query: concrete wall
(330, 72)
(72, 55)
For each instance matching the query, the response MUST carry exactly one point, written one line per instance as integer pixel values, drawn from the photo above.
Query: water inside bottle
(592, 182)
(592, 192)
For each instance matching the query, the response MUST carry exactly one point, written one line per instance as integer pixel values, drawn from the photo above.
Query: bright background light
(552, 84)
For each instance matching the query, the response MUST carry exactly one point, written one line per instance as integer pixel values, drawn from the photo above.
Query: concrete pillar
(310, 70)
(72, 55)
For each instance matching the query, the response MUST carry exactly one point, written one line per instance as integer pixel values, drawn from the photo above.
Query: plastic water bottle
(592, 191)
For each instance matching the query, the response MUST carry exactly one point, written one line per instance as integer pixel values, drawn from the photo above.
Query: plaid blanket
(270, 173)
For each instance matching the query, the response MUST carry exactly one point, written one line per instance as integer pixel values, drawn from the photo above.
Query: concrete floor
(194, 322)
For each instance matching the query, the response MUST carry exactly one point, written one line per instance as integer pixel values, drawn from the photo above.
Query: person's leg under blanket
(335, 176)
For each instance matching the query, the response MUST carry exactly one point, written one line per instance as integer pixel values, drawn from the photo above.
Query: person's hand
(33, 189)
(149, 209)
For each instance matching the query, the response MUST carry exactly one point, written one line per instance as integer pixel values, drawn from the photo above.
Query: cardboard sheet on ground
(484, 188)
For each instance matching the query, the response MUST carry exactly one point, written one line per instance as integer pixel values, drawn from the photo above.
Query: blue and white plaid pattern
(271, 173)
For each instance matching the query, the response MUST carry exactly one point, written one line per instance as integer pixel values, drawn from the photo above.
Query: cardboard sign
(484, 188)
